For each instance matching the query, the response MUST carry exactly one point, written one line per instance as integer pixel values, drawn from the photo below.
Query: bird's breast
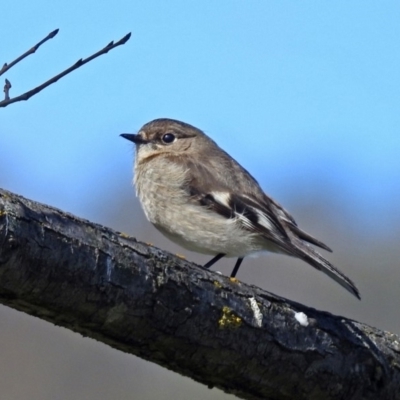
(159, 186)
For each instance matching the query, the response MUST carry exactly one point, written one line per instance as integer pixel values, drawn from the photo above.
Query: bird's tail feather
(308, 238)
(312, 257)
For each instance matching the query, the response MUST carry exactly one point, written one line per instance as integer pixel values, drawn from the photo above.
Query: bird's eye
(168, 138)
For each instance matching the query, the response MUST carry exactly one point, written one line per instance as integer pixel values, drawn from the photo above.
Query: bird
(201, 198)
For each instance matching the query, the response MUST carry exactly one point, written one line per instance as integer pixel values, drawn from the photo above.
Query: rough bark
(216, 330)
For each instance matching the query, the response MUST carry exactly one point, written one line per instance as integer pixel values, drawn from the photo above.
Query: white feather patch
(245, 221)
(222, 198)
(263, 220)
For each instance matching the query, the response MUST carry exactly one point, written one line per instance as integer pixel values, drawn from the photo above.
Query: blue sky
(306, 95)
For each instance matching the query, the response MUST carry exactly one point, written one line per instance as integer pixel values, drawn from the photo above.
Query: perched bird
(199, 197)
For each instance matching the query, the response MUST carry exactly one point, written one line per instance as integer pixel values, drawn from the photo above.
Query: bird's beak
(137, 139)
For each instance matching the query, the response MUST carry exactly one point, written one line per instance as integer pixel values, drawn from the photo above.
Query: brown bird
(198, 196)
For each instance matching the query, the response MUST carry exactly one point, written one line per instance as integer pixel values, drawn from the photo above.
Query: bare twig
(77, 65)
(32, 50)
(7, 87)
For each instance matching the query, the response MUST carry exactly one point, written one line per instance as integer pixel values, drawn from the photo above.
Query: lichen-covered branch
(218, 331)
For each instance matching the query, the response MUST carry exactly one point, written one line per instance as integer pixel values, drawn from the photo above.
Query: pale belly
(203, 231)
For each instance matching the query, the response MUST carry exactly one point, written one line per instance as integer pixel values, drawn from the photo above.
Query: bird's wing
(240, 196)
(262, 220)
(262, 215)
(291, 224)
(245, 194)
(207, 190)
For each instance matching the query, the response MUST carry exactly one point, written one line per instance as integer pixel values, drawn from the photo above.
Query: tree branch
(32, 50)
(214, 329)
(78, 64)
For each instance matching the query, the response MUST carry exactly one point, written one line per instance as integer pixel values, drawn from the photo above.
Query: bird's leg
(214, 260)
(237, 265)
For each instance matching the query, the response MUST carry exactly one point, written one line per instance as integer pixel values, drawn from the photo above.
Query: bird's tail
(312, 257)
